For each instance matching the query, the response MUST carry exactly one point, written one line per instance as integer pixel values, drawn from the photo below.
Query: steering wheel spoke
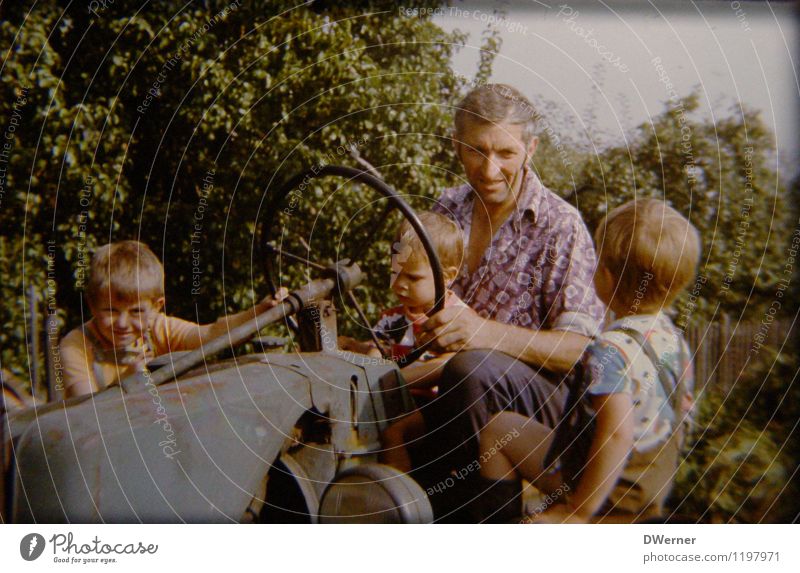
(270, 252)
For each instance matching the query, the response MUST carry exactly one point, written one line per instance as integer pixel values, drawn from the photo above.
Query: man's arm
(461, 328)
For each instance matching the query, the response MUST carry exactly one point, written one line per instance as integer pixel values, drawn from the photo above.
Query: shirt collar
(529, 201)
(640, 322)
(530, 198)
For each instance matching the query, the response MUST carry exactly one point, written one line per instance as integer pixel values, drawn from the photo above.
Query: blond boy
(648, 253)
(413, 285)
(125, 295)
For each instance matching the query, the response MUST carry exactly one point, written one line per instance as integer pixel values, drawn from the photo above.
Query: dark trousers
(475, 385)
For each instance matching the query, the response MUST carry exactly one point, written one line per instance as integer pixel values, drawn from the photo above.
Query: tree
(171, 124)
(723, 177)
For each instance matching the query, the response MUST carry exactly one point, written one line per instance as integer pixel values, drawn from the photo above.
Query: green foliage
(744, 448)
(174, 123)
(721, 176)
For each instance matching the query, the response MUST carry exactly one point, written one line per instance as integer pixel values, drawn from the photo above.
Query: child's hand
(270, 301)
(353, 345)
(687, 403)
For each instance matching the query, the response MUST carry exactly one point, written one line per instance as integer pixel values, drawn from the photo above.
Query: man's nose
(490, 168)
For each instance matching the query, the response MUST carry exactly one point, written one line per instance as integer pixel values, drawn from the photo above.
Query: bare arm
(613, 440)
(78, 379)
(461, 328)
(207, 332)
(349, 343)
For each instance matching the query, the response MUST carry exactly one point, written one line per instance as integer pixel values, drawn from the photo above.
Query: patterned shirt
(537, 272)
(616, 364)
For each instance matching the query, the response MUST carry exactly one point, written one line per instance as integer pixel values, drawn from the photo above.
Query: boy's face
(122, 322)
(412, 281)
(414, 284)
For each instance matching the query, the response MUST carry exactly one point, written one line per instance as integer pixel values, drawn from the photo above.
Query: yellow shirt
(90, 368)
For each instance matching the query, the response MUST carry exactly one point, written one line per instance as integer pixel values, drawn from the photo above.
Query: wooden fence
(723, 350)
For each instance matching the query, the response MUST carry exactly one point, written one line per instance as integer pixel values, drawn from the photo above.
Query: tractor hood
(194, 450)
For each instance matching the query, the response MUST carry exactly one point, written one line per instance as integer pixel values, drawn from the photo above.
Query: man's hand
(458, 327)
(455, 328)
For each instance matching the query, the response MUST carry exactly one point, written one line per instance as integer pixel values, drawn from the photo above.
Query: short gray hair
(497, 103)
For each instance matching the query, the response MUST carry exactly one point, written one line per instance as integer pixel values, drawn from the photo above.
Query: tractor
(268, 436)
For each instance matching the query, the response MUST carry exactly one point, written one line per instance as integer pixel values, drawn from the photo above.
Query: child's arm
(426, 374)
(207, 332)
(351, 344)
(613, 441)
(78, 370)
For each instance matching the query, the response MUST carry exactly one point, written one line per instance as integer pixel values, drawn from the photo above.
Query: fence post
(723, 369)
(33, 342)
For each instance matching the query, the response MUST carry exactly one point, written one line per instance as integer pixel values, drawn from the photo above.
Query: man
(527, 276)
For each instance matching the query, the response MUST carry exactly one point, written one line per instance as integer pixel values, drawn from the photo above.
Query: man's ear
(456, 145)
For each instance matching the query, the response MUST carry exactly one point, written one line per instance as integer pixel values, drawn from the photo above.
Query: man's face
(493, 156)
(122, 322)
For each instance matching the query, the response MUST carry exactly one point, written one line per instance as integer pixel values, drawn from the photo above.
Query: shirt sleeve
(381, 327)
(572, 302)
(172, 334)
(448, 202)
(77, 363)
(607, 370)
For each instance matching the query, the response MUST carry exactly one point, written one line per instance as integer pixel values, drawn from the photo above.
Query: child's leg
(395, 438)
(512, 445)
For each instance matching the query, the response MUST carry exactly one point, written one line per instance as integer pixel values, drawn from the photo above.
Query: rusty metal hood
(189, 451)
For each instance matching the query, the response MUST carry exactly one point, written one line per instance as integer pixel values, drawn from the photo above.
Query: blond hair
(497, 103)
(650, 249)
(445, 235)
(127, 270)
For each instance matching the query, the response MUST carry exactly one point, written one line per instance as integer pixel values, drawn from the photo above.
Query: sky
(603, 57)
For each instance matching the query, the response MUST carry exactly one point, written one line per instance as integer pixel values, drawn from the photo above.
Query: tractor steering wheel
(266, 232)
